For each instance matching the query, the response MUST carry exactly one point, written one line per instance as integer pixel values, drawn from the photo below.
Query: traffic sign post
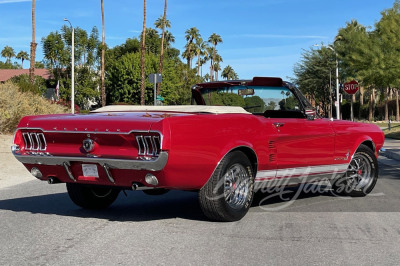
(155, 78)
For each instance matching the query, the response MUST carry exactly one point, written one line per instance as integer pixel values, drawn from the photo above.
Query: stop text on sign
(351, 87)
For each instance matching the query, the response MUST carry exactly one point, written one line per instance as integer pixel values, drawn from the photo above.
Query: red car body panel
(183, 148)
(195, 143)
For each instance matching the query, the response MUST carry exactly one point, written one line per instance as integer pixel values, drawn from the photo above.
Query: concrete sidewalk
(392, 149)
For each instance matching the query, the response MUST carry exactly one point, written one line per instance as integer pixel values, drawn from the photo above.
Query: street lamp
(72, 68)
(337, 85)
(337, 104)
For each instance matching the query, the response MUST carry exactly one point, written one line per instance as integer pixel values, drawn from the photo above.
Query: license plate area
(90, 170)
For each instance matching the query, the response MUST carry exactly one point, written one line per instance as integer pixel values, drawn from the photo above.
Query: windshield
(254, 99)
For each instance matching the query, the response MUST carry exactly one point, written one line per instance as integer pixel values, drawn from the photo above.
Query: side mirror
(310, 113)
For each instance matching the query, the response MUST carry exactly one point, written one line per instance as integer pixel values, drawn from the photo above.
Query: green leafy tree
(24, 85)
(313, 76)
(57, 57)
(255, 104)
(388, 34)
(123, 80)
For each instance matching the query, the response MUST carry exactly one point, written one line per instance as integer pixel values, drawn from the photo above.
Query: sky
(260, 37)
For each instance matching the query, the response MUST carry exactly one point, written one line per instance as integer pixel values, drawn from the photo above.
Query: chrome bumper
(150, 165)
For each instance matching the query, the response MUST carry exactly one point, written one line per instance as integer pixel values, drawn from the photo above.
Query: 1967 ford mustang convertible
(235, 138)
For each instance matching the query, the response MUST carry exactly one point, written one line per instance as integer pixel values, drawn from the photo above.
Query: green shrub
(14, 105)
(24, 85)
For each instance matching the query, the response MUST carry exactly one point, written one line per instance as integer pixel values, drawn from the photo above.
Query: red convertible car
(235, 138)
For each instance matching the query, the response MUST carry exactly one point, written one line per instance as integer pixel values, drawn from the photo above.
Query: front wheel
(361, 175)
(228, 194)
(91, 197)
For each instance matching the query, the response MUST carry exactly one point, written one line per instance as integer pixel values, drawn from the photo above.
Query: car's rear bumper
(156, 164)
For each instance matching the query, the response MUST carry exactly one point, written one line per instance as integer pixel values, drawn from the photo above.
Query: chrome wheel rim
(236, 186)
(360, 172)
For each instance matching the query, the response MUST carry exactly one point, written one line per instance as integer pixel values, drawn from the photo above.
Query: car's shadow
(135, 207)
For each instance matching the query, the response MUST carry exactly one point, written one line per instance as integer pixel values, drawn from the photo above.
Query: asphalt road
(40, 225)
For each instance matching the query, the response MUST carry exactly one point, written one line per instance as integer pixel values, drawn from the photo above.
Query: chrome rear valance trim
(156, 164)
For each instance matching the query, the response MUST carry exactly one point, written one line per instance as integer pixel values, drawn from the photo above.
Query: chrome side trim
(156, 164)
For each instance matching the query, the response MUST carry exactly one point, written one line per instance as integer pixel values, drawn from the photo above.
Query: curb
(391, 155)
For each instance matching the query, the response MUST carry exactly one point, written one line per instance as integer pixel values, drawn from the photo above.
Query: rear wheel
(91, 197)
(228, 194)
(361, 175)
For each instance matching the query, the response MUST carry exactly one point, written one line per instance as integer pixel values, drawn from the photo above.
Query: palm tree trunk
(103, 86)
(142, 59)
(198, 64)
(371, 105)
(33, 46)
(212, 65)
(162, 46)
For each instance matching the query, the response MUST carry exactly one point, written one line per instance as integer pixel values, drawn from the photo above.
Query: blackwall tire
(361, 175)
(228, 194)
(91, 197)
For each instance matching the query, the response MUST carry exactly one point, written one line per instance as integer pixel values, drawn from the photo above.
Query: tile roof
(6, 74)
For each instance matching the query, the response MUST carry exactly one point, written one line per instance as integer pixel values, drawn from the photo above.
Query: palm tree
(143, 52)
(33, 46)
(209, 55)
(168, 38)
(103, 86)
(190, 35)
(22, 55)
(164, 23)
(228, 73)
(8, 52)
(216, 66)
(200, 47)
(214, 39)
(202, 62)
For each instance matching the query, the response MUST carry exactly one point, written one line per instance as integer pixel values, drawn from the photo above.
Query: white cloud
(13, 1)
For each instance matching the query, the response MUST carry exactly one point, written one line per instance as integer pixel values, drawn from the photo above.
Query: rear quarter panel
(197, 143)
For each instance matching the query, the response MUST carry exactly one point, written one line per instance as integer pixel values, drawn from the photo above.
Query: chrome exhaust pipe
(134, 186)
(53, 180)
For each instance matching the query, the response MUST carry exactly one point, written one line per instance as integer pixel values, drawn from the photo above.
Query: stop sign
(351, 87)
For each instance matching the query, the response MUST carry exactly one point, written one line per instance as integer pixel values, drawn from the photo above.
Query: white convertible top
(173, 108)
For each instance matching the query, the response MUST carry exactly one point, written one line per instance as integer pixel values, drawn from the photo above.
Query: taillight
(34, 141)
(148, 145)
